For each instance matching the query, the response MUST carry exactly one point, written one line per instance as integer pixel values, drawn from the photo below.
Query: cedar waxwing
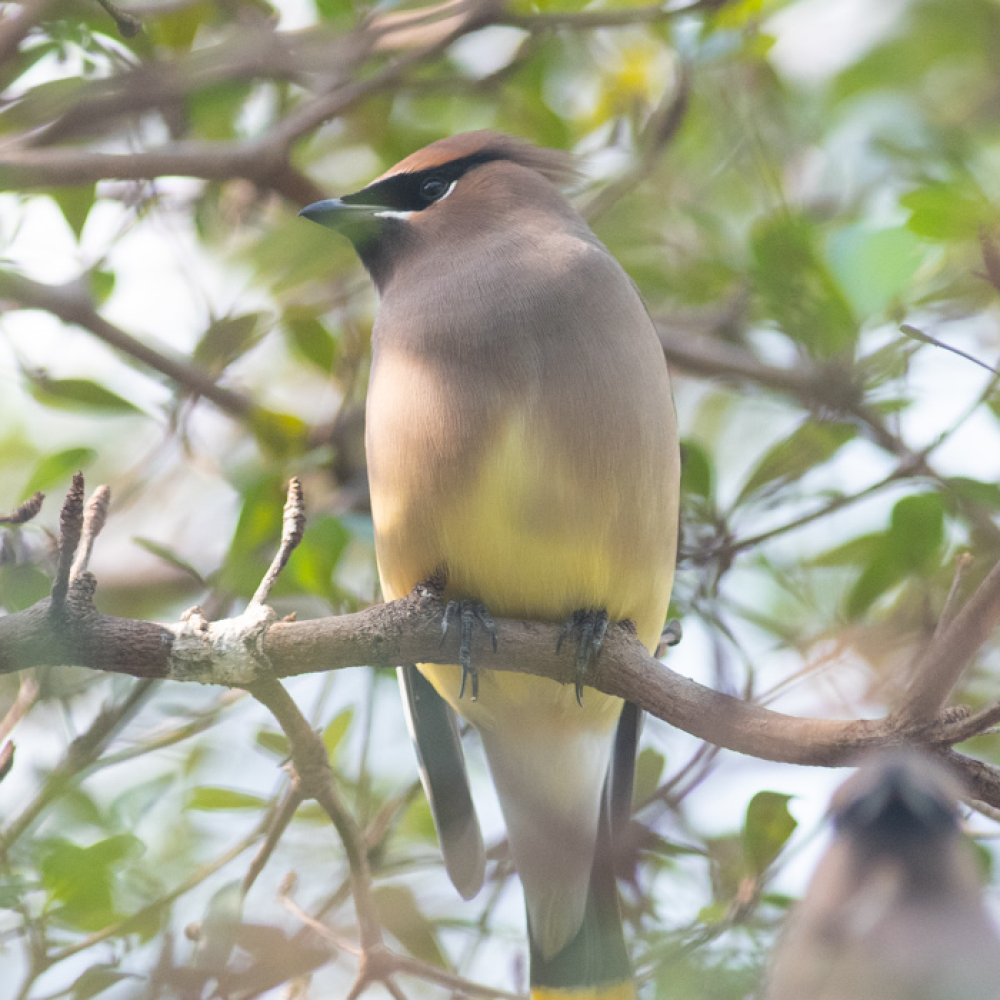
(522, 448)
(893, 911)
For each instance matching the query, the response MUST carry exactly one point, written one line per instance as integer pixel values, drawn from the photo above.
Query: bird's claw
(469, 613)
(590, 627)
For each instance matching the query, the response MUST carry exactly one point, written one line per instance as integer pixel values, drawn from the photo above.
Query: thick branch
(238, 652)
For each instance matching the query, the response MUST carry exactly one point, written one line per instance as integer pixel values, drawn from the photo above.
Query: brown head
(475, 186)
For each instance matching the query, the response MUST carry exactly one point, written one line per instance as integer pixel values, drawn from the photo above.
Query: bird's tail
(595, 964)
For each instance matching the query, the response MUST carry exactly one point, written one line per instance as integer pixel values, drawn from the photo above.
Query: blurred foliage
(832, 177)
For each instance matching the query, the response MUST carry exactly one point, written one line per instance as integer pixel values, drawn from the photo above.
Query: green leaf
(911, 546)
(273, 743)
(312, 567)
(916, 531)
(311, 339)
(336, 731)
(853, 552)
(102, 284)
(948, 211)
(81, 879)
(874, 266)
(78, 394)
(976, 491)
(797, 290)
(97, 979)
(696, 470)
(649, 765)
(766, 830)
(58, 468)
(168, 556)
(808, 446)
(75, 204)
(227, 339)
(177, 27)
(208, 798)
(257, 532)
(214, 112)
(400, 915)
(339, 13)
(279, 432)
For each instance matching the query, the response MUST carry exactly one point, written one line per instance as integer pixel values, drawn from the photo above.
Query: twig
(95, 516)
(951, 606)
(949, 652)
(293, 522)
(70, 531)
(6, 759)
(127, 24)
(279, 823)
(314, 780)
(915, 334)
(588, 20)
(79, 755)
(662, 127)
(27, 695)
(25, 512)
(312, 113)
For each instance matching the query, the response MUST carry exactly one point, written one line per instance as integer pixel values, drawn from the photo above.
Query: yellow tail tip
(610, 991)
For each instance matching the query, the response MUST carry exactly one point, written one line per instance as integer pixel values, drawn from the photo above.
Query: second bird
(522, 449)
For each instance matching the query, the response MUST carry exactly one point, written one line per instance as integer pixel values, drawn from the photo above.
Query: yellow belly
(530, 540)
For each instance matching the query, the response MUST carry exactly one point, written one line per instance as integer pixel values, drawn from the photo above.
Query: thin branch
(950, 652)
(262, 161)
(314, 112)
(589, 20)
(72, 304)
(915, 334)
(19, 20)
(80, 754)
(27, 695)
(25, 512)
(283, 815)
(293, 524)
(70, 531)
(127, 24)
(314, 780)
(951, 606)
(663, 125)
(95, 516)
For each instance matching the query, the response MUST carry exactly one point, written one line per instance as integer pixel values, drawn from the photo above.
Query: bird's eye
(433, 188)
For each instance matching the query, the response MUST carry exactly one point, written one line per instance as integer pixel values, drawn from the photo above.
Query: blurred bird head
(895, 798)
(471, 186)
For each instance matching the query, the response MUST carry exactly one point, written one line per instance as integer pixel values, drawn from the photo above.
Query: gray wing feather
(434, 729)
(623, 771)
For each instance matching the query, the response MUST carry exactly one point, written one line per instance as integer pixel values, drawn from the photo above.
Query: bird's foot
(589, 627)
(468, 614)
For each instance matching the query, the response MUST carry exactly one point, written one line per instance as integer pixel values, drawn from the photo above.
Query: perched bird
(894, 910)
(522, 449)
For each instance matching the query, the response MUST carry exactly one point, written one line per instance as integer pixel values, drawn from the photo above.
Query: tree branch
(255, 648)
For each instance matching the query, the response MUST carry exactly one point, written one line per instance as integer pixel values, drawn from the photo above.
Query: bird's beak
(334, 213)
